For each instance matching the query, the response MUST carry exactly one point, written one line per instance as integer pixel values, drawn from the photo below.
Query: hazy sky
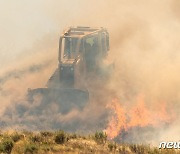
(22, 23)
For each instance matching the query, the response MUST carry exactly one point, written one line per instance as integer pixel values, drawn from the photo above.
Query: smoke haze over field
(144, 41)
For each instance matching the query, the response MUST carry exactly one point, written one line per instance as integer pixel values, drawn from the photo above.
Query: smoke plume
(140, 102)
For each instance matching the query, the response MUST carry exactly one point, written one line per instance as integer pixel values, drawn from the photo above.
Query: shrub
(36, 138)
(100, 137)
(31, 148)
(112, 146)
(122, 149)
(60, 137)
(6, 145)
(73, 136)
(16, 137)
(140, 149)
(46, 133)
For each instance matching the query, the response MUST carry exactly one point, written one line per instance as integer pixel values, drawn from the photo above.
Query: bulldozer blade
(67, 99)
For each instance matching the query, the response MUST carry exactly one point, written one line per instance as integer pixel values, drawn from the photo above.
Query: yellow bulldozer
(81, 53)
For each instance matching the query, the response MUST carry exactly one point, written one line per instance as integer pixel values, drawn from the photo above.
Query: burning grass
(139, 115)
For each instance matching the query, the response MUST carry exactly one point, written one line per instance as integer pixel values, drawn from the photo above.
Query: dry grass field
(62, 142)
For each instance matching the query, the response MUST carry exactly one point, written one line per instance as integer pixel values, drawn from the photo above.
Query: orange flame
(138, 115)
(118, 121)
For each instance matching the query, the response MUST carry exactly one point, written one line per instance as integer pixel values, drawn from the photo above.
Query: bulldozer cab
(90, 44)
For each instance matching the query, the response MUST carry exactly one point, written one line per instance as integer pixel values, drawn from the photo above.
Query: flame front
(139, 115)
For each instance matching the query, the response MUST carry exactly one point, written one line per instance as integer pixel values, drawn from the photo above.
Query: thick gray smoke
(144, 39)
